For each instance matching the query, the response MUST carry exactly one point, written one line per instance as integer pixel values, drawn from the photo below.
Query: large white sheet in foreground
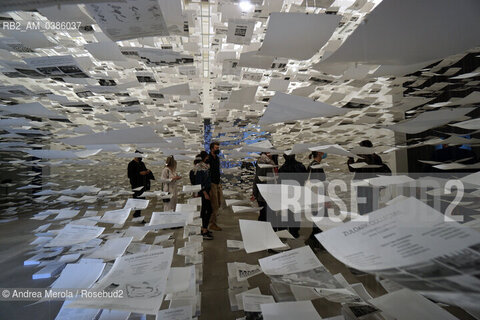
(142, 277)
(415, 245)
(290, 197)
(258, 236)
(401, 234)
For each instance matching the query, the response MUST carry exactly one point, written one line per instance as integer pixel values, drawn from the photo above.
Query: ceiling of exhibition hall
(149, 72)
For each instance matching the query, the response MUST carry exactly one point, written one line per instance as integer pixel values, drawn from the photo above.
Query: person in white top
(170, 173)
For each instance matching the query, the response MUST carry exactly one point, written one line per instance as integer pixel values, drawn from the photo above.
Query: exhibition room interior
(240, 159)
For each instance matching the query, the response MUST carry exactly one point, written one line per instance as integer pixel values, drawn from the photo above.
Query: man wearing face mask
(139, 176)
(216, 195)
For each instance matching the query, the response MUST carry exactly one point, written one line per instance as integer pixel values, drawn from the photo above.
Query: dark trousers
(367, 195)
(315, 230)
(263, 213)
(136, 195)
(321, 213)
(205, 212)
(275, 218)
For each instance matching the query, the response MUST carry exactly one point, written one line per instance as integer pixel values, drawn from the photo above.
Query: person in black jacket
(447, 153)
(291, 165)
(374, 163)
(265, 159)
(139, 176)
(315, 172)
(216, 193)
(201, 174)
(191, 174)
(374, 166)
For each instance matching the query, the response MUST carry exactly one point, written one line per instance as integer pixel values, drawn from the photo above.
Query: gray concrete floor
(14, 247)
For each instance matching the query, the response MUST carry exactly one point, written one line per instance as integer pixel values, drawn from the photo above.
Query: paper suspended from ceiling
(66, 13)
(409, 32)
(62, 154)
(130, 19)
(12, 5)
(333, 149)
(429, 120)
(105, 51)
(58, 66)
(284, 107)
(176, 20)
(241, 97)
(297, 35)
(143, 134)
(31, 39)
(34, 109)
(258, 236)
(240, 31)
(254, 60)
(473, 124)
(282, 197)
(179, 89)
(289, 310)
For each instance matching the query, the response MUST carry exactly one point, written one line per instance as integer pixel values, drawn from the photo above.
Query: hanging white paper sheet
(179, 279)
(69, 278)
(142, 277)
(66, 13)
(290, 197)
(112, 249)
(429, 120)
(137, 204)
(116, 216)
(130, 19)
(105, 51)
(413, 219)
(252, 302)
(285, 107)
(240, 31)
(387, 37)
(66, 313)
(74, 234)
(405, 304)
(164, 220)
(134, 135)
(113, 314)
(296, 35)
(258, 236)
(289, 310)
(32, 109)
(178, 90)
(292, 261)
(180, 313)
(254, 60)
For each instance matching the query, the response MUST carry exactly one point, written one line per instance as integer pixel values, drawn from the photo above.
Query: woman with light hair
(170, 173)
